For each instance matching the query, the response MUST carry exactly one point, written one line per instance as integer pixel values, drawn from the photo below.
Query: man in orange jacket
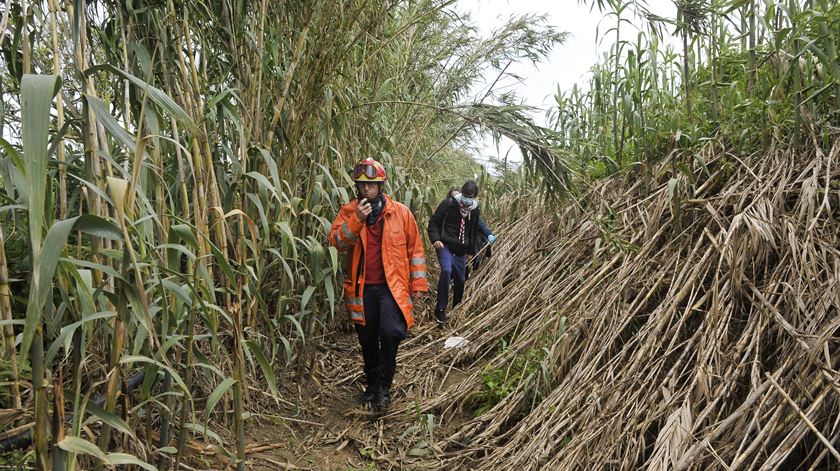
(385, 271)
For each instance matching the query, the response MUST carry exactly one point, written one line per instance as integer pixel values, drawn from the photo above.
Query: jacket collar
(389, 205)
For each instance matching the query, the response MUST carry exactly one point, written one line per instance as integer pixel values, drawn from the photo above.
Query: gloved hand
(491, 238)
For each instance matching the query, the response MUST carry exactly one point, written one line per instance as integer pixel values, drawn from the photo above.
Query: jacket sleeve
(472, 244)
(483, 226)
(345, 229)
(418, 275)
(436, 222)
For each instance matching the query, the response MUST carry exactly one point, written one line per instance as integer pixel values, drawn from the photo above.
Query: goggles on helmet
(365, 169)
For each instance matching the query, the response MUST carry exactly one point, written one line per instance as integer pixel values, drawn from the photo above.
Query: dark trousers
(380, 337)
(452, 268)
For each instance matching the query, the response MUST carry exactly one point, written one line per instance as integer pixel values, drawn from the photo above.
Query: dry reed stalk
(676, 341)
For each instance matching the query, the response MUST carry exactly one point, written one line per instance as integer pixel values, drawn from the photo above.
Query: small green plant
(499, 383)
(370, 466)
(421, 434)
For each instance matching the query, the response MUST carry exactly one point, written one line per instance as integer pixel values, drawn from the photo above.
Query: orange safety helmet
(369, 170)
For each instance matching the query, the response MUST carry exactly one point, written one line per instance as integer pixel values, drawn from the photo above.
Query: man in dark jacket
(453, 230)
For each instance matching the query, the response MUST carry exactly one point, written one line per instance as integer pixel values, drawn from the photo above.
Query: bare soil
(328, 429)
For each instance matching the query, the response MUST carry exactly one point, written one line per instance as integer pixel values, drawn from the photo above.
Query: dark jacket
(445, 225)
(483, 234)
(484, 229)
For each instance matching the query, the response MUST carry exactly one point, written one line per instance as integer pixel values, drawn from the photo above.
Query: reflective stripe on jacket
(402, 257)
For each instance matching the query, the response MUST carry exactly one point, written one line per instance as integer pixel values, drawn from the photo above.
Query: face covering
(465, 205)
(376, 206)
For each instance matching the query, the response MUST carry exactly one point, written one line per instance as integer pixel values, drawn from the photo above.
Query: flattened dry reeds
(693, 329)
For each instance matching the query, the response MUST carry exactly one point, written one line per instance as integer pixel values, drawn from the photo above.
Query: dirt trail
(321, 434)
(329, 430)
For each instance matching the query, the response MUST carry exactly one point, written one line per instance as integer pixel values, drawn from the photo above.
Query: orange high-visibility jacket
(402, 257)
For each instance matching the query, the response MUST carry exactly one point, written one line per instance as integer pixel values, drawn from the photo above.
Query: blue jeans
(452, 268)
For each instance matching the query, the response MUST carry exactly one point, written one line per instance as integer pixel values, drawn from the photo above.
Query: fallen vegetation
(695, 328)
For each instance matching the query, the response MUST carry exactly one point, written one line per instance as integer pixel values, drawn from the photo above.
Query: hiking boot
(382, 400)
(369, 395)
(440, 316)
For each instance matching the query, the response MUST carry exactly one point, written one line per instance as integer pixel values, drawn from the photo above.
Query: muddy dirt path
(327, 429)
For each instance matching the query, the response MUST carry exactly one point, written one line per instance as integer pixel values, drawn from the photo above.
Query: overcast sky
(567, 64)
